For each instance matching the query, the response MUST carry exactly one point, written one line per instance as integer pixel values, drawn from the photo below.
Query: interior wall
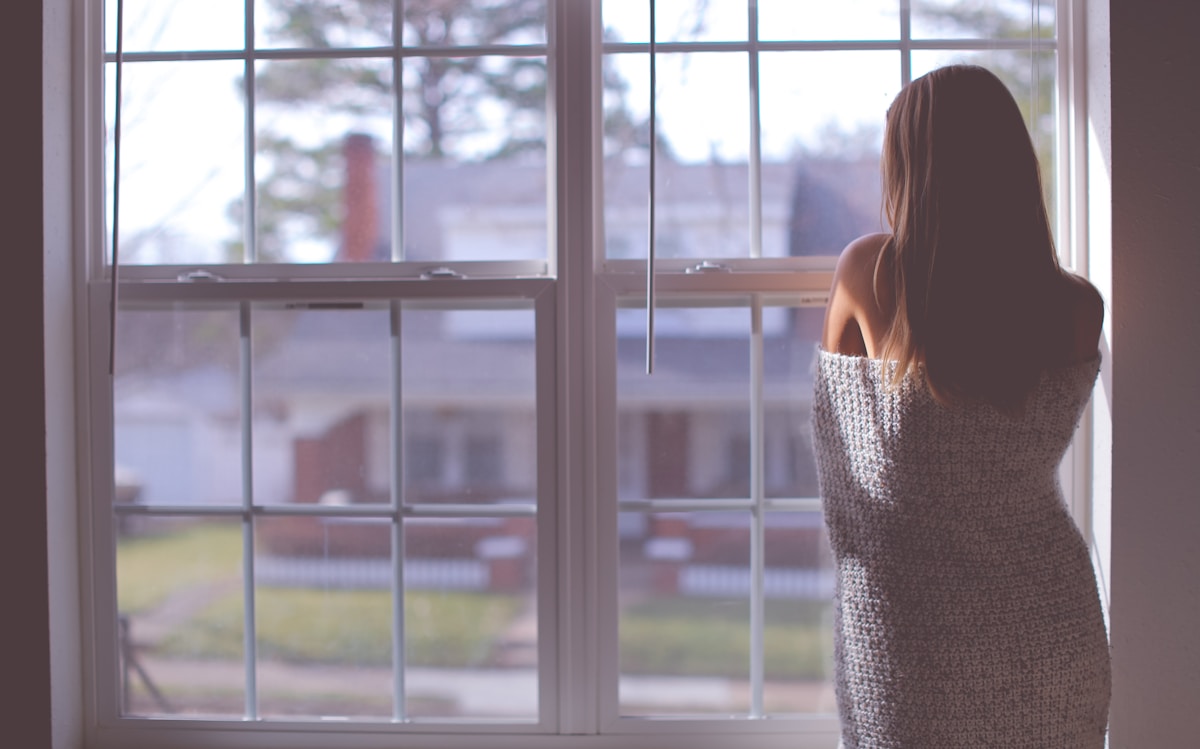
(25, 646)
(1155, 163)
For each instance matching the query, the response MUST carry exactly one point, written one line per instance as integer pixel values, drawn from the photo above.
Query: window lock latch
(441, 272)
(199, 275)
(708, 266)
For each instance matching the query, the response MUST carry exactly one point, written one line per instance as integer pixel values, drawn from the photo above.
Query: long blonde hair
(971, 257)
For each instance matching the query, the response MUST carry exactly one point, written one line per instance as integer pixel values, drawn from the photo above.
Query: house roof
(826, 202)
(346, 353)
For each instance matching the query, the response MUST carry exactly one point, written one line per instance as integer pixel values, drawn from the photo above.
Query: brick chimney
(360, 200)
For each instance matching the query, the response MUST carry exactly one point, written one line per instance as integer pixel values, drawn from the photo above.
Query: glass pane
(475, 185)
(176, 407)
(470, 618)
(685, 580)
(322, 389)
(459, 23)
(821, 139)
(676, 20)
(1031, 77)
(684, 613)
(789, 350)
(983, 19)
(702, 188)
(688, 424)
(469, 390)
(782, 20)
(806, 111)
(323, 616)
(798, 615)
(323, 160)
(320, 24)
(179, 598)
(180, 25)
(182, 161)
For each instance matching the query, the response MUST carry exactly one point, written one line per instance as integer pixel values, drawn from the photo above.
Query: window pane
(323, 616)
(789, 471)
(807, 112)
(781, 20)
(685, 614)
(702, 190)
(821, 140)
(798, 615)
(322, 388)
(321, 25)
(686, 413)
(676, 20)
(176, 407)
(983, 19)
(470, 613)
(179, 598)
(458, 23)
(686, 585)
(323, 160)
(475, 184)
(182, 161)
(180, 25)
(469, 403)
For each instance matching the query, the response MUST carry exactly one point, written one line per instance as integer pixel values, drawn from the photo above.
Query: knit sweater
(967, 612)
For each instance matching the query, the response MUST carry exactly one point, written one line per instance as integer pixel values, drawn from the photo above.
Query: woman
(956, 359)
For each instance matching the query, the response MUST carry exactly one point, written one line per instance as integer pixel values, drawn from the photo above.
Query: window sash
(575, 292)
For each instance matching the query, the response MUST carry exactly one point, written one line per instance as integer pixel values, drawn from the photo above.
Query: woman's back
(862, 308)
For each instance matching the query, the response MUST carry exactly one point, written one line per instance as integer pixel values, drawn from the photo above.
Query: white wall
(1155, 310)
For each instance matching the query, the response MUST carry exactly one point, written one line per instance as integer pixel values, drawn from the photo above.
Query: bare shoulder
(853, 319)
(862, 253)
(1085, 309)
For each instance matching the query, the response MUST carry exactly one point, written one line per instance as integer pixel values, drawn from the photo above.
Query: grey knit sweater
(967, 610)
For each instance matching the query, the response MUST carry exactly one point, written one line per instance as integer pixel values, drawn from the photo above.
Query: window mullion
(574, 70)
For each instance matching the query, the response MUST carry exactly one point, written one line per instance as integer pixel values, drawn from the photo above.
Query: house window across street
(380, 461)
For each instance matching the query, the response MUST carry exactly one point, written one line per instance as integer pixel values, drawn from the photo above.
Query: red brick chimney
(360, 202)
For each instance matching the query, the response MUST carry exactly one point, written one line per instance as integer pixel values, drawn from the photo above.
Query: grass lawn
(150, 568)
(699, 637)
(663, 636)
(352, 627)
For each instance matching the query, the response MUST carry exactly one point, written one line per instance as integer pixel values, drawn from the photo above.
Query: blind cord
(651, 219)
(116, 192)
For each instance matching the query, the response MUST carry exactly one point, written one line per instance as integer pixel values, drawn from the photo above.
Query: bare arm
(854, 323)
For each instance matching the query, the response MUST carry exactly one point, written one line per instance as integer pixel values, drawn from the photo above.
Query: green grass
(697, 637)
(151, 568)
(676, 636)
(351, 627)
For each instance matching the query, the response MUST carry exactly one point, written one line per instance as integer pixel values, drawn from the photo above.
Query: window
(380, 457)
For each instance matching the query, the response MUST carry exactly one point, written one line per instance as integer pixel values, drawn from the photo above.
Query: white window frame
(577, 538)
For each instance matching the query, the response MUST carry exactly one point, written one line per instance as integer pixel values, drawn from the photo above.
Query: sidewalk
(472, 693)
